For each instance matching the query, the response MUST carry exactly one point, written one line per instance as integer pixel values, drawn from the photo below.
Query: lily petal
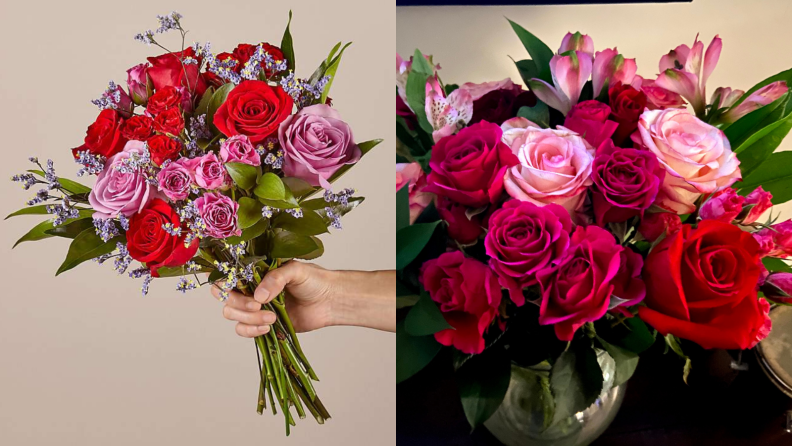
(549, 95)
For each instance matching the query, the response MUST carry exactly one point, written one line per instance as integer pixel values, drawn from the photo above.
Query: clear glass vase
(519, 421)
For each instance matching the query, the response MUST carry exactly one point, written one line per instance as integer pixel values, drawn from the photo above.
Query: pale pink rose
(239, 149)
(761, 97)
(412, 175)
(555, 165)
(478, 90)
(208, 172)
(577, 42)
(219, 213)
(697, 156)
(175, 179)
(447, 114)
(121, 192)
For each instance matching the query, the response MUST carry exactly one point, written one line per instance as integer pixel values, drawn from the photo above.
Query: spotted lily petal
(683, 83)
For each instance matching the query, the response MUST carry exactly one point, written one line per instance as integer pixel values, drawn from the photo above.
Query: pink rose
(239, 149)
(555, 165)
(208, 172)
(121, 192)
(657, 97)
(697, 156)
(219, 213)
(724, 205)
(760, 201)
(175, 179)
(316, 143)
(139, 84)
(411, 174)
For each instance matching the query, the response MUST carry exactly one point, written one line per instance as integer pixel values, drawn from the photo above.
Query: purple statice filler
(63, 211)
(145, 274)
(123, 258)
(91, 164)
(296, 212)
(28, 180)
(302, 91)
(109, 98)
(168, 22)
(106, 228)
(341, 197)
(335, 219)
(185, 284)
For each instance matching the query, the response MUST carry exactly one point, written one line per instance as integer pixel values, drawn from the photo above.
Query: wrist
(363, 299)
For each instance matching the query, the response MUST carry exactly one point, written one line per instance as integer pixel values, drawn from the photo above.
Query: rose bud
(778, 288)
(724, 205)
(755, 204)
(776, 241)
(590, 120)
(139, 83)
(465, 230)
(655, 224)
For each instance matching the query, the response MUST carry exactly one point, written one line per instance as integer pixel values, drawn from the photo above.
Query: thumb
(276, 280)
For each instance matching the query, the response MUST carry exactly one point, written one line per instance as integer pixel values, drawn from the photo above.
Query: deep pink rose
(655, 224)
(778, 287)
(468, 294)
(175, 179)
(239, 149)
(523, 239)
(460, 228)
(777, 240)
(208, 172)
(589, 119)
(724, 205)
(760, 201)
(139, 84)
(121, 192)
(219, 213)
(316, 143)
(581, 286)
(468, 167)
(412, 176)
(626, 182)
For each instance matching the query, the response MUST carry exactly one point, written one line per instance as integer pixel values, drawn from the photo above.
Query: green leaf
(298, 187)
(527, 69)
(539, 114)
(270, 187)
(176, 271)
(639, 338)
(406, 301)
(41, 209)
(576, 381)
(71, 230)
(316, 253)
(38, 232)
(249, 212)
(365, 147)
(203, 105)
(411, 240)
(483, 381)
(773, 264)
(332, 67)
(761, 144)
(744, 127)
(287, 45)
(403, 207)
(216, 275)
(86, 246)
(413, 353)
(540, 53)
(672, 342)
(286, 245)
(626, 361)
(782, 76)
(774, 175)
(244, 175)
(251, 232)
(686, 369)
(425, 318)
(67, 184)
(416, 91)
(218, 97)
(309, 224)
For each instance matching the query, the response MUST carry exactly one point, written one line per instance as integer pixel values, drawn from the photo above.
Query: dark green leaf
(744, 127)
(215, 275)
(761, 144)
(177, 271)
(782, 76)
(425, 318)
(626, 362)
(332, 67)
(244, 175)
(540, 53)
(86, 246)
(527, 69)
(539, 114)
(483, 381)
(73, 229)
(287, 45)
(298, 187)
(309, 224)
(255, 230)
(638, 338)
(270, 187)
(41, 209)
(403, 207)
(38, 232)
(67, 184)
(218, 97)
(316, 253)
(365, 147)
(413, 353)
(203, 105)
(774, 175)
(286, 245)
(406, 301)
(773, 264)
(249, 212)
(411, 240)
(416, 92)
(576, 381)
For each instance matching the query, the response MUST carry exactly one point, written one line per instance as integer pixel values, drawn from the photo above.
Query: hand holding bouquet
(207, 163)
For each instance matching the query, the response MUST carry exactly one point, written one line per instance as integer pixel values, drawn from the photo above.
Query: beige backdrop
(472, 43)
(84, 359)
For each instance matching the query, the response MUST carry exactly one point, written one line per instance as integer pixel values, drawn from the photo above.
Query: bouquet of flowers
(545, 228)
(208, 164)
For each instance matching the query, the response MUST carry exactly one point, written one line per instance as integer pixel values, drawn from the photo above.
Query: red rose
(468, 294)
(626, 105)
(163, 148)
(149, 243)
(253, 109)
(167, 70)
(244, 51)
(138, 128)
(655, 224)
(701, 286)
(460, 228)
(579, 286)
(499, 105)
(164, 99)
(104, 137)
(169, 121)
(590, 120)
(468, 167)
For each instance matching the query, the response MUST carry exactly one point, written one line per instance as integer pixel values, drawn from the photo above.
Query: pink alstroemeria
(761, 97)
(682, 71)
(447, 114)
(478, 90)
(403, 68)
(577, 42)
(611, 67)
(725, 97)
(570, 72)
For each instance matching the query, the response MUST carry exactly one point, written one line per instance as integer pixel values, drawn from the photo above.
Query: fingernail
(261, 295)
(269, 317)
(263, 328)
(254, 306)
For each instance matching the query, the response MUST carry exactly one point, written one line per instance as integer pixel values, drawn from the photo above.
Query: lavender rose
(219, 213)
(208, 172)
(316, 143)
(121, 191)
(175, 179)
(239, 149)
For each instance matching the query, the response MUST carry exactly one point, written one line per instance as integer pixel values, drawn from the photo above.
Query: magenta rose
(139, 84)
(468, 167)
(121, 192)
(759, 201)
(589, 119)
(778, 287)
(316, 143)
(219, 213)
(468, 294)
(776, 241)
(582, 285)
(175, 179)
(208, 172)
(626, 182)
(724, 205)
(523, 239)
(460, 228)
(239, 149)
